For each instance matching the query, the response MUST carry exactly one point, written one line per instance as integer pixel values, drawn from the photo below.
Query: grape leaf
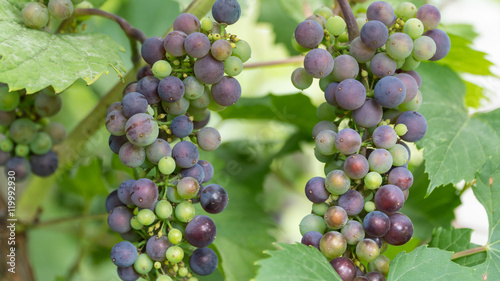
(456, 240)
(474, 95)
(296, 262)
(34, 59)
(452, 131)
(432, 263)
(282, 23)
(487, 191)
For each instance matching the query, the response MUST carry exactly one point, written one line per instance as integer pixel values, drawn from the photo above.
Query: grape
(399, 46)
(144, 193)
(325, 142)
(123, 254)
(414, 27)
(131, 155)
(128, 273)
(175, 236)
(208, 70)
(124, 192)
(56, 131)
(442, 41)
(326, 111)
(401, 230)
(320, 208)
(353, 232)
(152, 50)
(197, 45)
(359, 277)
(148, 86)
(410, 63)
(161, 68)
(318, 63)
(131, 87)
(4, 157)
(41, 144)
(309, 34)
(348, 141)
(382, 65)
(179, 107)
(144, 71)
(198, 124)
(208, 170)
(315, 190)
(115, 123)
(146, 217)
(185, 211)
(373, 180)
(335, 25)
(209, 138)
(166, 165)
(221, 50)
(175, 254)
(201, 102)
(400, 155)
(311, 238)
(119, 219)
(368, 115)
(187, 23)
(203, 261)
(376, 224)
(301, 79)
(8, 100)
(157, 150)
(374, 276)
(242, 50)
(181, 126)
(112, 201)
(384, 137)
(193, 88)
(22, 150)
(195, 172)
(367, 250)
(330, 93)
(360, 51)
(214, 199)
(163, 209)
(317, 18)
(416, 124)
(35, 15)
(344, 267)
(312, 222)
(201, 231)
(352, 202)
(233, 66)
(185, 154)
(406, 11)
(174, 43)
(345, 67)
(335, 217)
(337, 182)
(416, 76)
(356, 166)
(23, 131)
(380, 161)
(60, 9)
(401, 177)
(171, 89)
(429, 15)
(424, 48)
(410, 86)
(47, 105)
(389, 198)
(380, 264)
(381, 11)
(44, 165)
(226, 11)
(323, 125)
(141, 129)
(134, 103)
(6, 118)
(389, 91)
(143, 264)
(332, 244)
(374, 34)
(227, 91)
(188, 187)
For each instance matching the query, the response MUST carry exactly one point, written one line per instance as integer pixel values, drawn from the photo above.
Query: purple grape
(128, 273)
(197, 45)
(410, 86)
(374, 34)
(374, 276)
(203, 261)
(144, 193)
(185, 154)
(124, 192)
(389, 92)
(360, 51)
(157, 150)
(141, 129)
(213, 199)
(134, 103)
(195, 172)
(221, 50)
(356, 166)
(350, 94)
(384, 137)
(171, 89)
(226, 11)
(44, 165)
(116, 142)
(156, 247)
(208, 139)
(201, 231)
(429, 15)
(7, 117)
(400, 231)
(187, 23)
(131, 87)
(318, 63)
(344, 267)
(345, 67)
(115, 123)
(376, 224)
(114, 106)
(316, 191)
(208, 170)
(181, 126)
(152, 50)
(20, 166)
(174, 43)
(227, 91)
(353, 232)
(148, 87)
(208, 70)
(330, 93)
(369, 114)
(416, 124)
(401, 177)
(311, 238)
(352, 202)
(443, 43)
(112, 201)
(4, 157)
(309, 34)
(131, 155)
(389, 198)
(348, 141)
(144, 71)
(416, 76)
(123, 254)
(380, 161)
(382, 65)
(200, 124)
(119, 219)
(381, 11)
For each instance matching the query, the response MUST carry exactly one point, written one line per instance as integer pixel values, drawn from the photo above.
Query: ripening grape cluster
(26, 133)
(36, 14)
(158, 128)
(372, 96)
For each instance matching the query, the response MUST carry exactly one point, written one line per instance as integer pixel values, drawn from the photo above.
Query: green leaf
(456, 240)
(422, 210)
(427, 264)
(295, 109)
(466, 31)
(282, 24)
(34, 59)
(474, 95)
(296, 262)
(487, 191)
(456, 144)
(87, 181)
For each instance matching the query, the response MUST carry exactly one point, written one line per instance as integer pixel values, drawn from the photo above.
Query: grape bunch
(158, 128)
(36, 14)
(372, 96)
(26, 133)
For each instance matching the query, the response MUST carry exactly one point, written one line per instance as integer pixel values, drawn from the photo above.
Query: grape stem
(350, 20)
(468, 252)
(291, 60)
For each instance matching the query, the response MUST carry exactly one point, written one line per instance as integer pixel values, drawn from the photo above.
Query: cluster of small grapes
(26, 133)
(36, 14)
(368, 117)
(158, 127)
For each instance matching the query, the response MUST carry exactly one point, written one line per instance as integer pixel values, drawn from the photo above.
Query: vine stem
(68, 219)
(291, 60)
(350, 20)
(468, 252)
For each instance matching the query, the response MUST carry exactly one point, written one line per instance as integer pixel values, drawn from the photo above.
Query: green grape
(324, 12)
(22, 150)
(206, 24)
(320, 209)
(143, 264)
(173, 195)
(8, 100)
(361, 21)
(301, 79)
(336, 25)
(297, 47)
(185, 211)
(146, 217)
(312, 222)
(412, 105)
(164, 278)
(380, 264)
(242, 50)
(163, 209)
(60, 9)
(166, 165)
(175, 236)
(175, 254)
(400, 63)
(369, 206)
(183, 272)
(41, 144)
(344, 37)
(401, 129)
(233, 66)
(414, 27)
(193, 88)
(406, 11)
(373, 180)
(161, 69)
(326, 111)
(424, 48)
(35, 15)
(400, 155)
(135, 223)
(410, 64)
(367, 250)
(6, 145)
